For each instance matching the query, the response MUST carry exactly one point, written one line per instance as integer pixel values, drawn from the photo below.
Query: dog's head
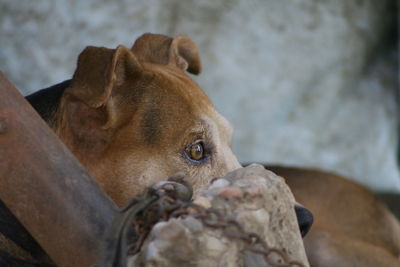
(133, 117)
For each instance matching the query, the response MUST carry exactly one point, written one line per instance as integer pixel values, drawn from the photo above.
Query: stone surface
(265, 207)
(304, 82)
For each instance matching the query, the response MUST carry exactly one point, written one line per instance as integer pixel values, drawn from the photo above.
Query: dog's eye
(196, 151)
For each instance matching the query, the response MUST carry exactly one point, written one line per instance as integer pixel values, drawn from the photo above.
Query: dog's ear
(91, 108)
(99, 71)
(180, 51)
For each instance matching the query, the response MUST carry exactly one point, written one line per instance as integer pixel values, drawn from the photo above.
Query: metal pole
(46, 188)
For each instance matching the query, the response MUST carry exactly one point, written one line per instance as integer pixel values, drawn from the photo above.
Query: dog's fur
(130, 116)
(352, 227)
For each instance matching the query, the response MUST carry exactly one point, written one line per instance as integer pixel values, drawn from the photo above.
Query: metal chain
(166, 207)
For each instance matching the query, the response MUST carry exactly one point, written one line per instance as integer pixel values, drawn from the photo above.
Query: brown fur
(351, 226)
(129, 115)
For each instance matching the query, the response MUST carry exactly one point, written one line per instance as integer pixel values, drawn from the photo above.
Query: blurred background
(304, 82)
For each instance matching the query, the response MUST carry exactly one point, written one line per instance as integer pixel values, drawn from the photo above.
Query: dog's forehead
(173, 101)
(173, 82)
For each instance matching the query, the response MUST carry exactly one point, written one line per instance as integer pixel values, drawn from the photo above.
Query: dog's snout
(304, 218)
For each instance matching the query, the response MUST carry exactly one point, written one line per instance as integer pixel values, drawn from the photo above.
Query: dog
(133, 117)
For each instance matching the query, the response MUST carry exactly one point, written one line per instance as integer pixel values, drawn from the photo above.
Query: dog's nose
(304, 219)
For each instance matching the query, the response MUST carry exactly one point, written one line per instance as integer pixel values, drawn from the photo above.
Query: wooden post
(46, 188)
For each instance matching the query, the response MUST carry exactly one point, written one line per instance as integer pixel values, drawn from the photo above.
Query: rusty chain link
(170, 206)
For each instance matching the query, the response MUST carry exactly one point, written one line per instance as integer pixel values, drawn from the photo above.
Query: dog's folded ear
(99, 72)
(91, 107)
(180, 51)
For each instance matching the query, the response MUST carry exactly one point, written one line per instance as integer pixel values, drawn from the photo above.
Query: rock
(265, 207)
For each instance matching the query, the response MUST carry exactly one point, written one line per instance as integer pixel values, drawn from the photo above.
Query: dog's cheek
(199, 176)
(231, 162)
(138, 173)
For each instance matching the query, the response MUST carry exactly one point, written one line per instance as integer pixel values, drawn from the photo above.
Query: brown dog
(133, 117)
